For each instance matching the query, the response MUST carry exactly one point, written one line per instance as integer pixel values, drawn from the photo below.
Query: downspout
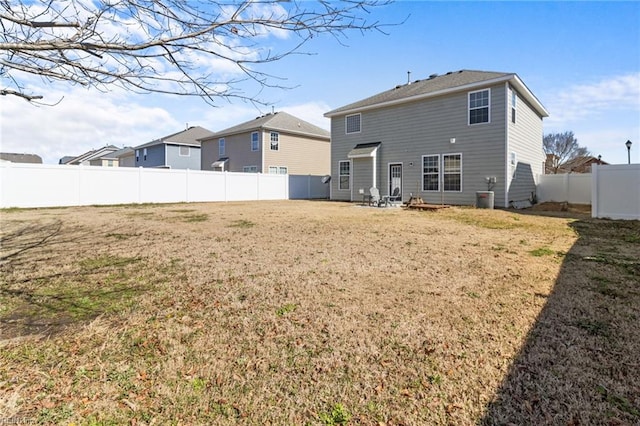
(375, 157)
(507, 176)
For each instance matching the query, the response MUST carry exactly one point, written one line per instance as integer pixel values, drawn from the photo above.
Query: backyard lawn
(320, 313)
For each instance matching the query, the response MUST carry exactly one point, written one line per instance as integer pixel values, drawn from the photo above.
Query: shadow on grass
(580, 363)
(77, 283)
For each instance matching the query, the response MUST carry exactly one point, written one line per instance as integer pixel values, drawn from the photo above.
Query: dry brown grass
(317, 313)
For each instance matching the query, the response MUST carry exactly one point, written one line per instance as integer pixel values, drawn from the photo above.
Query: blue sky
(581, 59)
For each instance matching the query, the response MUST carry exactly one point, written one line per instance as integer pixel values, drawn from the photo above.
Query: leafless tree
(562, 149)
(202, 48)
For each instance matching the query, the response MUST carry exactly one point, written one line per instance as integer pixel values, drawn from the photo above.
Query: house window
(430, 172)
(184, 151)
(137, 155)
(144, 154)
(254, 141)
(452, 172)
(344, 181)
(353, 123)
(109, 163)
(275, 138)
(250, 169)
(221, 147)
(278, 170)
(479, 107)
(514, 99)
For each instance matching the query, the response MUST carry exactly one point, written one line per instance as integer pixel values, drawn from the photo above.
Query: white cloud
(584, 101)
(83, 120)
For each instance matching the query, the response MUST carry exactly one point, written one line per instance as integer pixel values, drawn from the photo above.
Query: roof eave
(509, 77)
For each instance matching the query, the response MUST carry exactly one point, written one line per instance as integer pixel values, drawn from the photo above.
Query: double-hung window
(255, 141)
(514, 100)
(221, 147)
(344, 181)
(144, 154)
(184, 151)
(447, 173)
(250, 169)
(137, 155)
(431, 172)
(353, 123)
(452, 172)
(278, 170)
(479, 106)
(275, 141)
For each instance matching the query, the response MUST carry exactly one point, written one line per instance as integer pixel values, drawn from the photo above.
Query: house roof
(190, 136)
(364, 150)
(279, 121)
(437, 85)
(20, 158)
(114, 155)
(90, 155)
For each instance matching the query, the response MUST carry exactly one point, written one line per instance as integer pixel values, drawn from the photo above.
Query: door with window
(395, 182)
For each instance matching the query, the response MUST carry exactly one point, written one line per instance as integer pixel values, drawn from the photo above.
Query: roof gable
(278, 121)
(437, 85)
(190, 136)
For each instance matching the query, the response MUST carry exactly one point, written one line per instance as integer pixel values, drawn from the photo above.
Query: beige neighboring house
(96, 157)
(273, 143)
(125, 157)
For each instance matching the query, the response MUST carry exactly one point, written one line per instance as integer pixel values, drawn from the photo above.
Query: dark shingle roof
(280, 121)
(20, 158)
(190, 136)
(435, 85)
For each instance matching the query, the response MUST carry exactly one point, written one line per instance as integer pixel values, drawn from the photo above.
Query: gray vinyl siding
(409, 131)
(176, 161)
(155, 156)
(525, 139)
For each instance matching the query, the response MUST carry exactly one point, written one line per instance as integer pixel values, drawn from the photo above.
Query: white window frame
(250, 169)
(275, 141)
(347, 121)
(340, 175)
(444, 171)
(437, 173)
(221, 147)
(514, 103)
(283, 170)
(255, 142)
(109, 163)
(137, 155)
(475, 107)
(144, 154)
(273, 170)
(188, 154)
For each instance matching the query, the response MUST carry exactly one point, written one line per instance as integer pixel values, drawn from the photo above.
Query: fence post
(594, 190)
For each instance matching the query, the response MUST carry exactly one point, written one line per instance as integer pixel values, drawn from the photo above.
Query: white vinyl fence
(574, 188)
(39, 185)
(307, 187)
(613, 190)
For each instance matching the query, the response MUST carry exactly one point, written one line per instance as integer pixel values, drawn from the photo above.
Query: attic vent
(433, 76)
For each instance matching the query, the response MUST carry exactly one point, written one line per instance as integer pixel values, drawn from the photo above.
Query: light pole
(628, 144)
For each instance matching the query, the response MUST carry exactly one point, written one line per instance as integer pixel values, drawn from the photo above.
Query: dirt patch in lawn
(317, 313)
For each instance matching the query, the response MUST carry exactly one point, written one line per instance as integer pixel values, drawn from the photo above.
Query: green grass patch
(542, 251)
(288, 308)
(241, 223)
(336, 415)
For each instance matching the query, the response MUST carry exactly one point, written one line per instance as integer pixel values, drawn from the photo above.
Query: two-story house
(273, 143)
(442, 139)
(180, 150)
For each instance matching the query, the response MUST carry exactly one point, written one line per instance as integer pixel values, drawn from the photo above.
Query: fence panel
(41, 185)
(616, 191)
(573, 188)
(307, 187)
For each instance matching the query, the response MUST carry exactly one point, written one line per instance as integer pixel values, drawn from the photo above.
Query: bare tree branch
(203, 48)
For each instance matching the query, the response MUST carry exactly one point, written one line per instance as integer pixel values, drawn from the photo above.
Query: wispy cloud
(584, 101)
(82, 121)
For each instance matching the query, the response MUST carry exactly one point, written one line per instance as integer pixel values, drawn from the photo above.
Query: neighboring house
(66, 159)
(20, 158)
(580, 164)
(177, 151)
(442, 139)
(90, 158)
(126, 157)
(112, 158)
(273, 143)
